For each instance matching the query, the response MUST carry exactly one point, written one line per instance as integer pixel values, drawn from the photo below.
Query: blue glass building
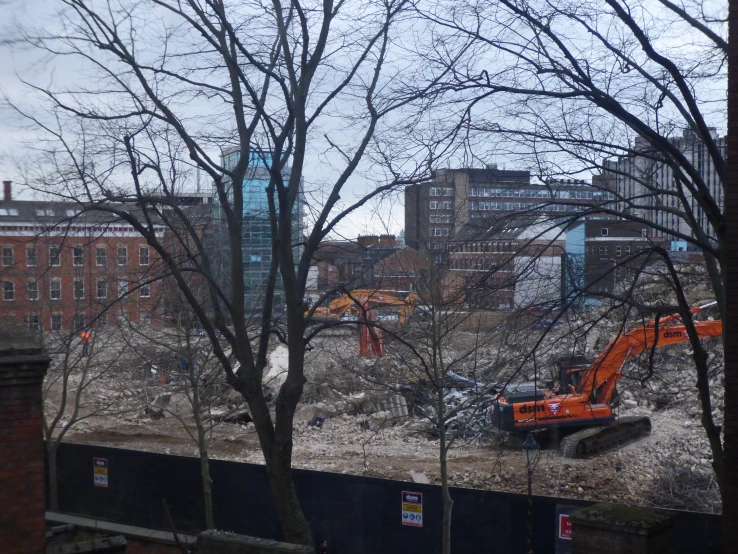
(257, 234)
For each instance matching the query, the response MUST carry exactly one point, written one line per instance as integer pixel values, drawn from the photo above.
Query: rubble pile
(376, 417)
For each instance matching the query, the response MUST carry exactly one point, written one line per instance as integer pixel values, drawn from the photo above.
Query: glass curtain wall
(257, 235)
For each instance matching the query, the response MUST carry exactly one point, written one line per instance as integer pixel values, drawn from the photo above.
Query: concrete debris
(419, 477)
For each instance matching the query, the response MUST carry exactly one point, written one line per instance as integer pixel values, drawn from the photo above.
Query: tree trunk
(295, 527)
(53, 500)
(448, 502)
(207, 488)
(202, 446)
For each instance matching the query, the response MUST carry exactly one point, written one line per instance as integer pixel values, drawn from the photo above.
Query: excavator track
(596, 440)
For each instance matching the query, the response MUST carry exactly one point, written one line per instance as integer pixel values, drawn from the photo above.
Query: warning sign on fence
(564, 527)
(100, 471)
(412, 509)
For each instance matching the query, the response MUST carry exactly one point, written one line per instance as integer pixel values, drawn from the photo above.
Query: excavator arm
(598, 381)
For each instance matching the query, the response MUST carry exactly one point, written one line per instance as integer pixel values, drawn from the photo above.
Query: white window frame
(59, 317)
(8, 292)
(105, 288)
(36, 324)
(104, 251)
(433, 205)
(51, 289)
(30, 290)
(121, 248)
(11, 249)
(52, 258)
(604, 231)
(76, 290)
(34, 257)
(78, 248)
(141, 250)
(122, 287)
(145, 290)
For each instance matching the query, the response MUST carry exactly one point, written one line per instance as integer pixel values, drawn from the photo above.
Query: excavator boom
(362, 302)
(587, 404)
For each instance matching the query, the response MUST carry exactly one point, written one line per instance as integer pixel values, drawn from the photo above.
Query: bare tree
(264, 81)
(603, 89)
(69, 393)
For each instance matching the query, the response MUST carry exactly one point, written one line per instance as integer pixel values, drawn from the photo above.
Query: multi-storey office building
(62, 269)
(257, 233)
(435, 212)
(644, 183)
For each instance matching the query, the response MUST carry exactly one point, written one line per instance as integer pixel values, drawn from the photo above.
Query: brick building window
(78, 256)
(32, 290)
(54, 256)
(102, 320)
(8, 291)
(33, 322)
(56, 322)
(8, 256)
(79, 289)
(78, 322)
(102, 288)
(101, 256)
(627, 249)
(55, 289)
(122, 255)
(122, 287)
(31, 256)
(145, 291)
(604, 231)
(144, 318)
(143, 255)
(618, 251)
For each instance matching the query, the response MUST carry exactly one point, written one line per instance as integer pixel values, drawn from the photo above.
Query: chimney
(387, 241)
(7, 185)
(366, 241)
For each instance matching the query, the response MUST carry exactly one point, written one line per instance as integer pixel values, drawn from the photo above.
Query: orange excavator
(585, 399)
(360, 303)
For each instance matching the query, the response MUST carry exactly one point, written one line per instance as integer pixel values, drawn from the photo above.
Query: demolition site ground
(348, 424)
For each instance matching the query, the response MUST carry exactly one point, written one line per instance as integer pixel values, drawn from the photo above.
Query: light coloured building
(645, 184)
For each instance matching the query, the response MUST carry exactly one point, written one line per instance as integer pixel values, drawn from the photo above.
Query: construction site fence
(356, 515)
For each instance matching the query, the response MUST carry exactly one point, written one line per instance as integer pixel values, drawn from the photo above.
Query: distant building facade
(62, 268)
(436, 211)
(643, 181)
(507, 262)
(257, 233)
(602, 255)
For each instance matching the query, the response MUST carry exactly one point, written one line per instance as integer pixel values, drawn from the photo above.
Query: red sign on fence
(565, 531)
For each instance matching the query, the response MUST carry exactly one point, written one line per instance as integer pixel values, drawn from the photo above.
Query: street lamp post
(531, 448)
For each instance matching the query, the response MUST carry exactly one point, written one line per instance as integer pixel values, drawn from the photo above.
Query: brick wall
(22, 502)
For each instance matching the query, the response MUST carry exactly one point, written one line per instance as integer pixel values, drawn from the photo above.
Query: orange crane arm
(604, 373)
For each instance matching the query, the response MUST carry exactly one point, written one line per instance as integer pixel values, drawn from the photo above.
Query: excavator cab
(570, 373)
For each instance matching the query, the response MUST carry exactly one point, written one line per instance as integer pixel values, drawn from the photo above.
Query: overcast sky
(17, 63)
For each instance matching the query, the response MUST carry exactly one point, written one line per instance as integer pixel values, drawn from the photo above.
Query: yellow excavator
(360, 303)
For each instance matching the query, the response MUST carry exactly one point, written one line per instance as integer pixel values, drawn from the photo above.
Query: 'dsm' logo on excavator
(670, 334)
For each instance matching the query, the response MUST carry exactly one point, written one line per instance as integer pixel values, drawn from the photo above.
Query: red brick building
(62, 268)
